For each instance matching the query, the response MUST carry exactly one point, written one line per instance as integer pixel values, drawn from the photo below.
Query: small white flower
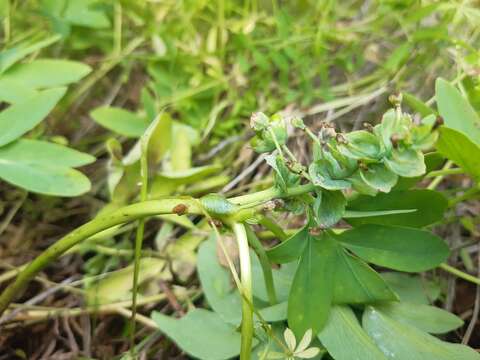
(301, 351)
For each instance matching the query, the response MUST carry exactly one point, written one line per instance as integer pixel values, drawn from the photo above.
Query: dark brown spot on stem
(179, 209)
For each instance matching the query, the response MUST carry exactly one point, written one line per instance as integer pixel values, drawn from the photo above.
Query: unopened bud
(259, 121)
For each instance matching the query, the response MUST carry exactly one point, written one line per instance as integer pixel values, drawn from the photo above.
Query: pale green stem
(265, 264)
(124, 215)
(271, 225)
(433, 185)
(459, 273)
(247, 299)
(445, 172)
(103, 222)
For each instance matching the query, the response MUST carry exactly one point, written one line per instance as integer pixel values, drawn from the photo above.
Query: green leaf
(117, 285)
(379, 177)
(13, 92)
(320, 175)
(201, 334)
(427, 318)
(190, 175)
(284, 178)
(290, 249)
(417, 105)
(461, 150)
(404, 342)
(456, 111)
(345, 339)
(357, 283)
(24, 116)
(430, 206)
(406, 162)
(159, 138)
(433, 161)
(45, 73)
(86, 13)
(274, 313)
(352, 214)
(121, 121)
(44, 167)
(181, 153)
(11, 56)
(312, 289)
(412, 288)
(396, 247)
(361, 145)
(329, 207)
(217, 284)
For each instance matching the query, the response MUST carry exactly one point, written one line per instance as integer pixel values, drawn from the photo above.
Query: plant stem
(442, 172)
(271, 225)
(271, 193)
(246, 280)
(459, 273)
(265, 264)
(123, 215)
(103, 222)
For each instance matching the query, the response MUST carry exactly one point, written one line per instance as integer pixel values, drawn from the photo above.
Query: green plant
(32, 89)
(324, 281)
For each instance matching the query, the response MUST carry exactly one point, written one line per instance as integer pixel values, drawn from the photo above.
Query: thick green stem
(103, 222)
(171, 205)
(271, 225)
(264, 263)
(247, 299)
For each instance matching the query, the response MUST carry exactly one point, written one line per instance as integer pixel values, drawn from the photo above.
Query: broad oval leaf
(456, 111)
(202, 334)
(217, 284)
(45, 73)
(404, 342)
(25, 115)
(457, 147)
(412, 288)
(312, 288)
(427, 318)
(44, 168)
(357, 283)
(429, 205)
(121, 121)
(379, 177)
(345, 339)
(290, 249)
(395, 247)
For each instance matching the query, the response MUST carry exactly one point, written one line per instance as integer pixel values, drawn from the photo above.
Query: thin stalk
(144, 141)
(442, 172)
(271, 193)
(264, 263)
(435, 182)
(246, 281)
(467, 195)
(271, 225)
(459, 273)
